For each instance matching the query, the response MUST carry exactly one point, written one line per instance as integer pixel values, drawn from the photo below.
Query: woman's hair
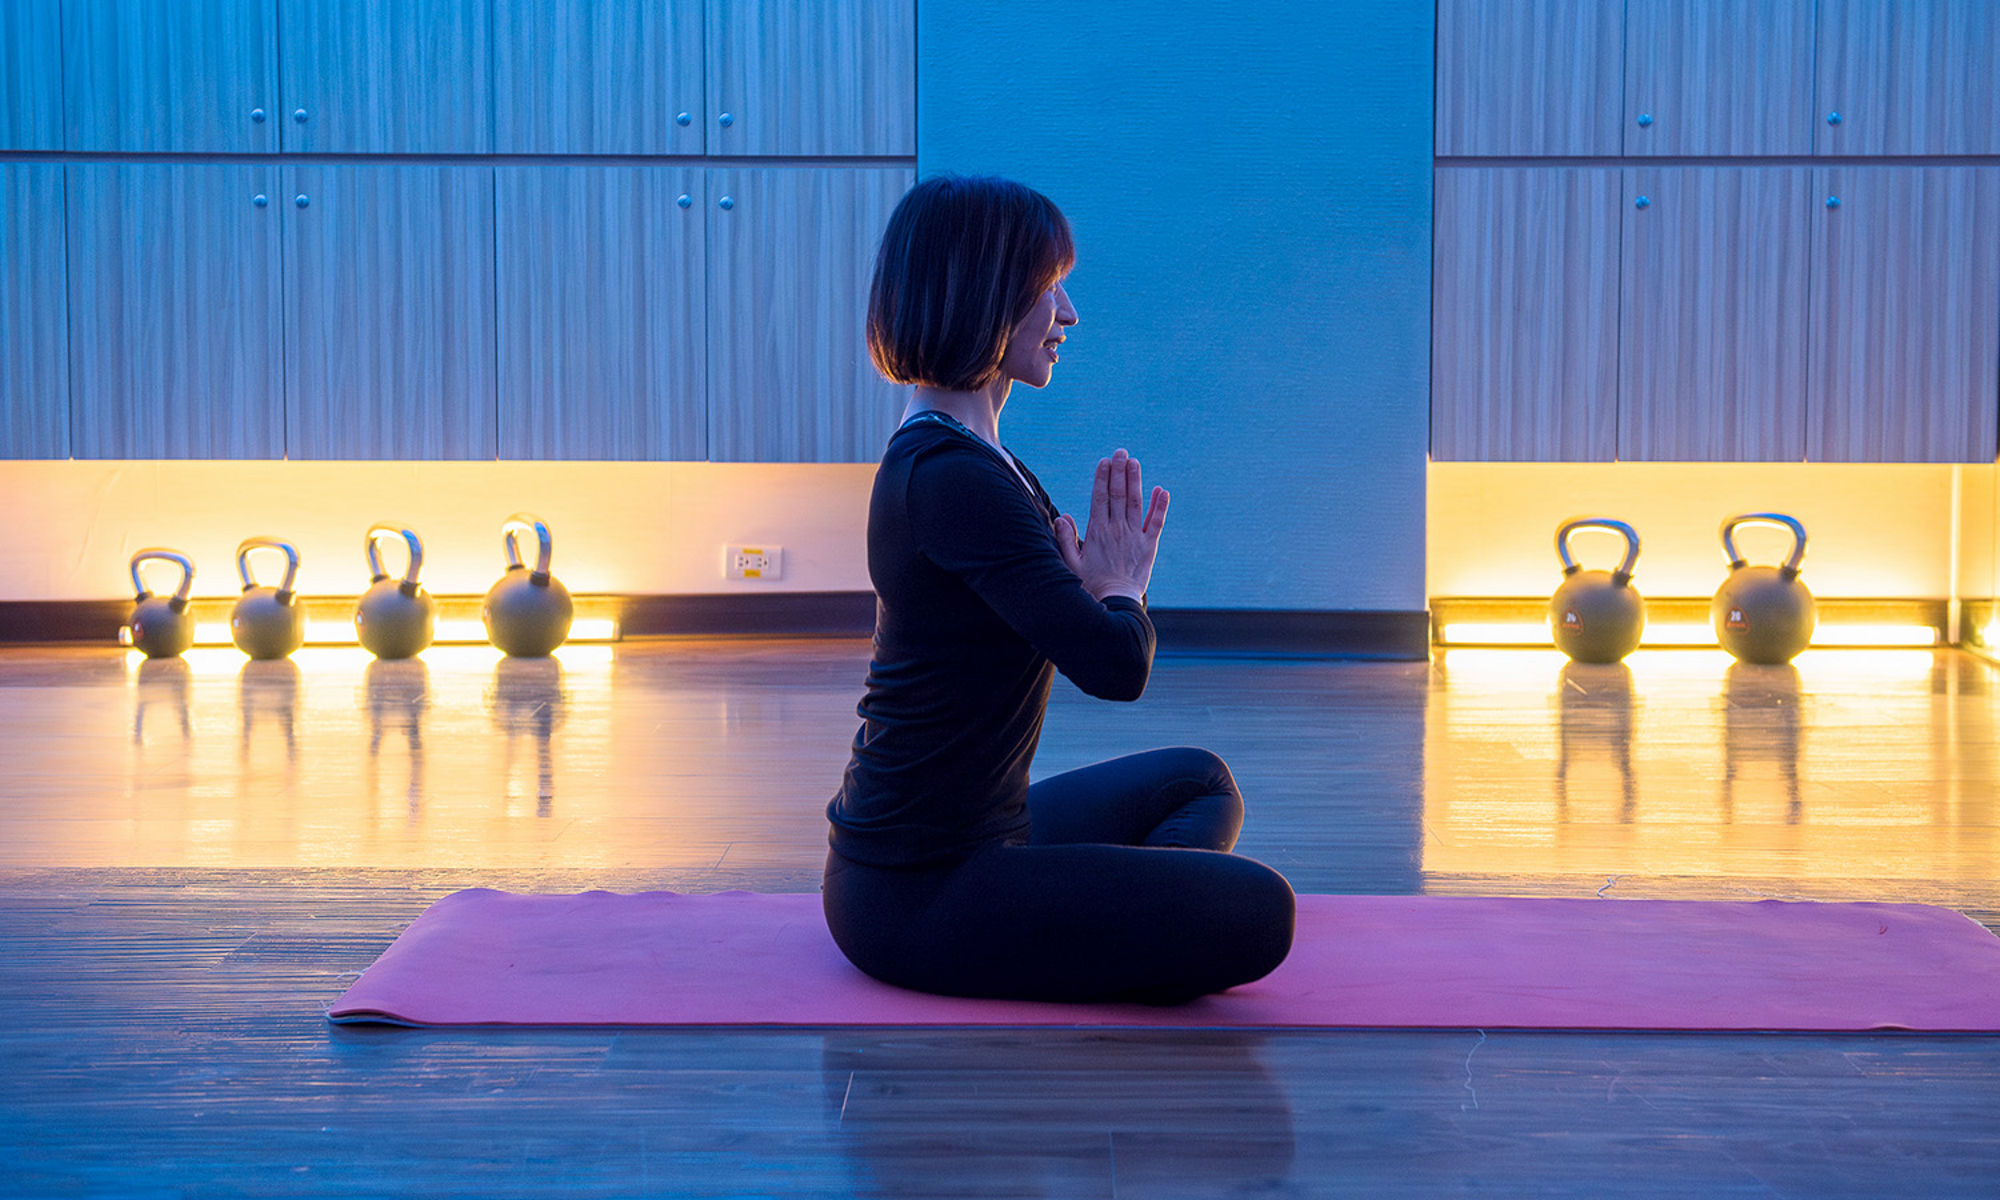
(962, 262)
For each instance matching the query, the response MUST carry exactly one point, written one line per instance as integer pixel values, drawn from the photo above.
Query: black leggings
(1125, 891)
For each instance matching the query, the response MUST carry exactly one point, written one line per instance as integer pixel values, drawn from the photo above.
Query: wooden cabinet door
(389, 349)
(1712, 321)
(1533, 77)
(820, 77)
(597, 77)
(1908, 77)
(34, 318)
(1905, 314)
(601, 319)
(1718, 77)
(31, 105)
(174, 310)
(192, 75)
(1524, 314)
(790, 255)
(387, 76)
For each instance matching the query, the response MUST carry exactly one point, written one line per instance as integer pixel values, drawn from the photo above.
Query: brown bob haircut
(962, 262)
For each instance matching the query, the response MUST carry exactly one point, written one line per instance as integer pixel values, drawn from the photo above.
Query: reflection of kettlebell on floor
(396, 695)
(1594, 718)
(268, 692)
(162, 683)
(527, 699)
(1761, 723)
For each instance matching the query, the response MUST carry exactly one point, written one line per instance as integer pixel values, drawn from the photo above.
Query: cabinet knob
(260, 200)
(1645, 119)
(726, 202)
(683, 118)
(301, 199)
(257, 116)
(725, 119)
(1833, 202)
(1642, 202)
(299, 115)
(1833, 118)
(685, 200)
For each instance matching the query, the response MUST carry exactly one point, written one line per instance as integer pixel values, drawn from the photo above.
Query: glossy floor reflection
(195, 857)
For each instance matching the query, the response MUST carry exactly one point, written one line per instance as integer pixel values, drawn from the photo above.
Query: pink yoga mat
(739, 958)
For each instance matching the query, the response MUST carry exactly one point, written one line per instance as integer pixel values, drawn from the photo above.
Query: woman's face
(1030, 356)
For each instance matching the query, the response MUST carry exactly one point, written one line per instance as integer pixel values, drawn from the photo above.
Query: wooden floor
(195, 858)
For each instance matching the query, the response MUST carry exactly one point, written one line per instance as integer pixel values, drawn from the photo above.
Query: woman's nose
(1065, 311)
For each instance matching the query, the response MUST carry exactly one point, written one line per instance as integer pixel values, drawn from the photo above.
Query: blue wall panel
(1251, 191)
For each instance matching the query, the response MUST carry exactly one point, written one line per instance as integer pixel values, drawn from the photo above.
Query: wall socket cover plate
(763, 561)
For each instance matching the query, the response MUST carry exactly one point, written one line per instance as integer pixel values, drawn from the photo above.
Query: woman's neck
(977, 410)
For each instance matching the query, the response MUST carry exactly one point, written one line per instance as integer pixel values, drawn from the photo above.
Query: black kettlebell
(1763, 614)
(1597, 616)
(527, 613)
(395, 618)
(160, 625)
(267, 622)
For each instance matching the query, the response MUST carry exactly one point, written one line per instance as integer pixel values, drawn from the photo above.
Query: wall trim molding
(1257, 633)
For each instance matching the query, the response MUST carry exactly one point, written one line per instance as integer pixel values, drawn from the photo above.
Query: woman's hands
(1116, 556)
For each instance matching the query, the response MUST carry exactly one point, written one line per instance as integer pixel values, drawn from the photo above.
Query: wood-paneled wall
(1484, 50)
(175, 310)
(618, 77)
(1908, 77)
(1524, 360)
(1712, 319)
(602, 327)
(387, 77)
(1906, 313)
(812, 77)
(34, 335)
(196, 77)
(389, 348)
(790, 256)
(30, 94)
(1718, 77)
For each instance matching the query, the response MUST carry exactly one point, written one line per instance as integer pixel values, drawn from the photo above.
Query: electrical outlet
(753, 562)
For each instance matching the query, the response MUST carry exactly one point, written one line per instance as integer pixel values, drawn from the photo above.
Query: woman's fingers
(1156, 516)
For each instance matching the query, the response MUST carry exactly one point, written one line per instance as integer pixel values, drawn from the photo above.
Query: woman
(949, 872)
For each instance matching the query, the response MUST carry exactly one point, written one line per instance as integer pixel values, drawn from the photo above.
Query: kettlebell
(160, 625)
(527, 613)
(267, 622)
(1763, 614)
(394, 618)
(1597, 616)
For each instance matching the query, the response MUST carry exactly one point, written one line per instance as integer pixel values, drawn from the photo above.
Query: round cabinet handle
(257, 116)
(301, 199)
(1833, 118)
(1833, 202)
(1642, 202)
(683, 118)
(1645, 119)
(260, 200)
(726, 202)
(685, 200)
(299, 115)
(726, 119)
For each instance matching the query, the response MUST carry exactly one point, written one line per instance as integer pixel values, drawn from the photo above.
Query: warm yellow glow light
(1669, 633)
(449, 633)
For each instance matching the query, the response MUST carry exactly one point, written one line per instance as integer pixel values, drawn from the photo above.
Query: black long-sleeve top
(975, 609)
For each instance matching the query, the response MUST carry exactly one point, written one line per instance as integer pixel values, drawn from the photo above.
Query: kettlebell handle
(520, 523)
(262, 543)
(180, 597)
(1790, 569)
(1620, 577)
(376, 574)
